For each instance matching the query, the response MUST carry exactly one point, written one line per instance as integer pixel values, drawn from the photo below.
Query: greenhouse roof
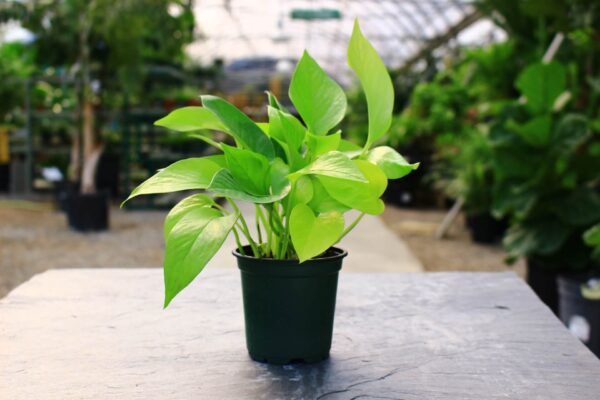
(400, 30)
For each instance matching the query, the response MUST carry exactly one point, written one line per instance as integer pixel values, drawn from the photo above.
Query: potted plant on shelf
(302, 178)
(546, 167)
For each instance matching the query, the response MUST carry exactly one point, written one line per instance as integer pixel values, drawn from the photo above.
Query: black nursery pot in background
(580, 315)
(289, 307)
(87, 212)
(484, 228)
(543, 281)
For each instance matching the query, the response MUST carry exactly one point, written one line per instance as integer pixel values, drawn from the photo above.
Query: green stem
(351, 226)
(286, 230)
(238, 242)
(244, 228)
(207, 140)
(257, 222)
(261, 216)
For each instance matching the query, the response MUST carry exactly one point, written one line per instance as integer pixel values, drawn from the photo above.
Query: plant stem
(238, 242)
(257, 222)
(286, 230)
(351, 226)
(207, 140)
(244, 228)
(261, 216)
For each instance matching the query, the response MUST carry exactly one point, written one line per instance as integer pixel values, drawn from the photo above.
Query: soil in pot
(580, 315)
(289, 307)
(87, 212)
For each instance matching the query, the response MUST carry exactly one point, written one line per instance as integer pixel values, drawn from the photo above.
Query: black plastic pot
(289, 307)
(484, 228)
(4, 177)
(543, 280)
(87, 212)
(580, 315)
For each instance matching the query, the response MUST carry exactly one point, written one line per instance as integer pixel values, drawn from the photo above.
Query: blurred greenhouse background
(497, 99)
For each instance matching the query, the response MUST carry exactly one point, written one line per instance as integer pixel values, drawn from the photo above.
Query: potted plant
(546, 179)
(302, 177)
(471, 179)
(579, 301)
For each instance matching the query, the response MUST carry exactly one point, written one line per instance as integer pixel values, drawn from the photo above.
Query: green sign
(311, 14)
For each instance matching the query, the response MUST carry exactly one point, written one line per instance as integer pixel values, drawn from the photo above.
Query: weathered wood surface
(101, 334)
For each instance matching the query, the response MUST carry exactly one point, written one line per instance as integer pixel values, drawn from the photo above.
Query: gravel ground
(36, 239)
(455, 252)
(32, 241)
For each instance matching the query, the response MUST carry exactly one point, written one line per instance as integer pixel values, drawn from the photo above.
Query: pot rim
(341, 253)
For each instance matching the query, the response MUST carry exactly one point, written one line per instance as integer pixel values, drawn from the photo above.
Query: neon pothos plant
(302, 177)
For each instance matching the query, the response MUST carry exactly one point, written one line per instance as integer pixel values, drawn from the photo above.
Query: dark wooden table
(101, 334)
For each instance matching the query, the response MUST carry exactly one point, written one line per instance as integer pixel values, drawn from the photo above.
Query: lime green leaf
(242, 128)
(322, 201)
(312, 235)
(376, 83)
(189, 119)
(346, 145)
(250, 169)
(279, 172)
(591, 290)
(225, 185)
(541, 84)
(190, 244)
(193, 202)
(293, 157)
(358, 195)
(264, 126)
(286, 128)
(334, 164)
(303, 191)
(319, 99)
(318, 145)
(273, 102)
(188, 174)
(218, 159)
(391, 162)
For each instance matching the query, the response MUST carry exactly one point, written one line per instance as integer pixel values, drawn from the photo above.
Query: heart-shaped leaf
(286, 128)
(361, 196)
(190, 244)
(248, 168)
(333, 164)
(312, 235)
(391, 162)
(188, 174)
(196, 201)
(376, 83)
(319, 99)
(224, 184)
(318, 145)
(242, 128)
(189, 119)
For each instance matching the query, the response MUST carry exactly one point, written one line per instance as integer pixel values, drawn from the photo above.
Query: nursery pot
(289, 306)
(580, 315)
(484, 228)
(87, 212)
(542, 280)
